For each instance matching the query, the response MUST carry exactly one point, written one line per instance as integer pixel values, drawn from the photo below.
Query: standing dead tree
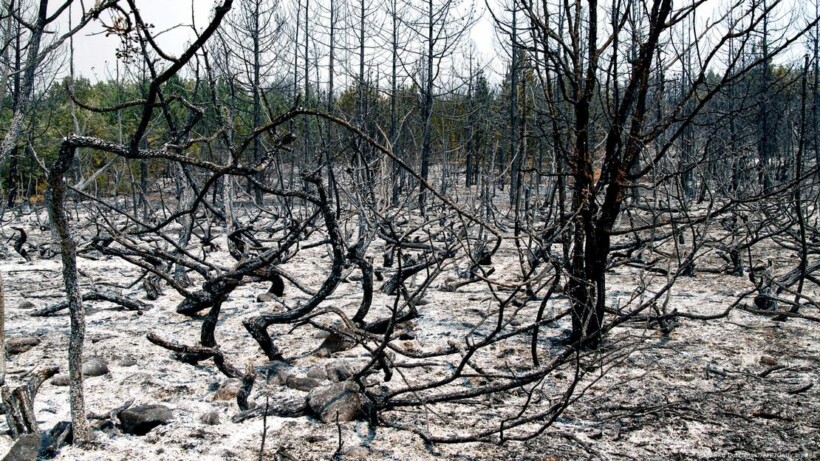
(57, 212)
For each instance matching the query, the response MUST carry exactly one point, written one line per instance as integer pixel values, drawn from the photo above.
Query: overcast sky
(95, 53)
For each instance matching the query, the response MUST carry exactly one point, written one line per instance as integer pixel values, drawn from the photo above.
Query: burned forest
(410, 230)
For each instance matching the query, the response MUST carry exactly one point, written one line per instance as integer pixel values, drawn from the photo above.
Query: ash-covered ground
(737, 387)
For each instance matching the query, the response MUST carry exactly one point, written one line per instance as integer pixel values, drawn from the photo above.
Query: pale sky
(94, 52)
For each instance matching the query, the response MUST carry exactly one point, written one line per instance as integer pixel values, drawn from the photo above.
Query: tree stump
(19, 403)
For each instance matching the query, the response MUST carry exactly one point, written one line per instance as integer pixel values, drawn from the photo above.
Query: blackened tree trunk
(68, 250)
(2, 333)
(427, 104)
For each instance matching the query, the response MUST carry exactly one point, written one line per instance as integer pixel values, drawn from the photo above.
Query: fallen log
(96, 295)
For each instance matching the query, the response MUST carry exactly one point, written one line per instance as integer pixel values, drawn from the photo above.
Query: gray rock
(339, 401)
(338, 371)
(128, 362)
(358, 453)
(21, 344)
(25, 448)
(95, 366)
(317, 372)
(302, 383)
(334, 343)
(768, 360)
(276, 372)
(228, 390)
(26, 305)
(265, 298)
(211, 418)
(321, 334)
(141, 419)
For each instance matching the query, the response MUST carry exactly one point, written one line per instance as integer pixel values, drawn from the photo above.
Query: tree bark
(68, 250)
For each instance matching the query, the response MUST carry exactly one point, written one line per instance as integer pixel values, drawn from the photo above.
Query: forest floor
(738, 387)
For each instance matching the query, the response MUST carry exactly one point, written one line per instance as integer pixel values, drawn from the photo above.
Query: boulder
(337, 402)
(228, 390)
(128, 362)
(334, 343)
(317, 372)
(276, 372)
(338, 371)
(141, 419)
(21, 344)
(302, 383)
(265, 297)
(211, 418)
(95, 366)
(358, 453)
(26, 448)
(768, 360)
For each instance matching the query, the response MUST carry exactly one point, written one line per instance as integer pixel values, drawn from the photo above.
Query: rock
(95, 366)
(302, 383)
(141, 419)
(106, 426)
(334, 343)
(422, 302)
(358, 453)
(407, 336)
(211, 418)
(595, 434)
(768, 360)
(26, 305)
(338, 371)
(228, 390)
(265, 297)
(26, 448)
(317, 372)
(21, 344)
(276, 372)
(321, 334)
(128, 362)
(340, 401)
